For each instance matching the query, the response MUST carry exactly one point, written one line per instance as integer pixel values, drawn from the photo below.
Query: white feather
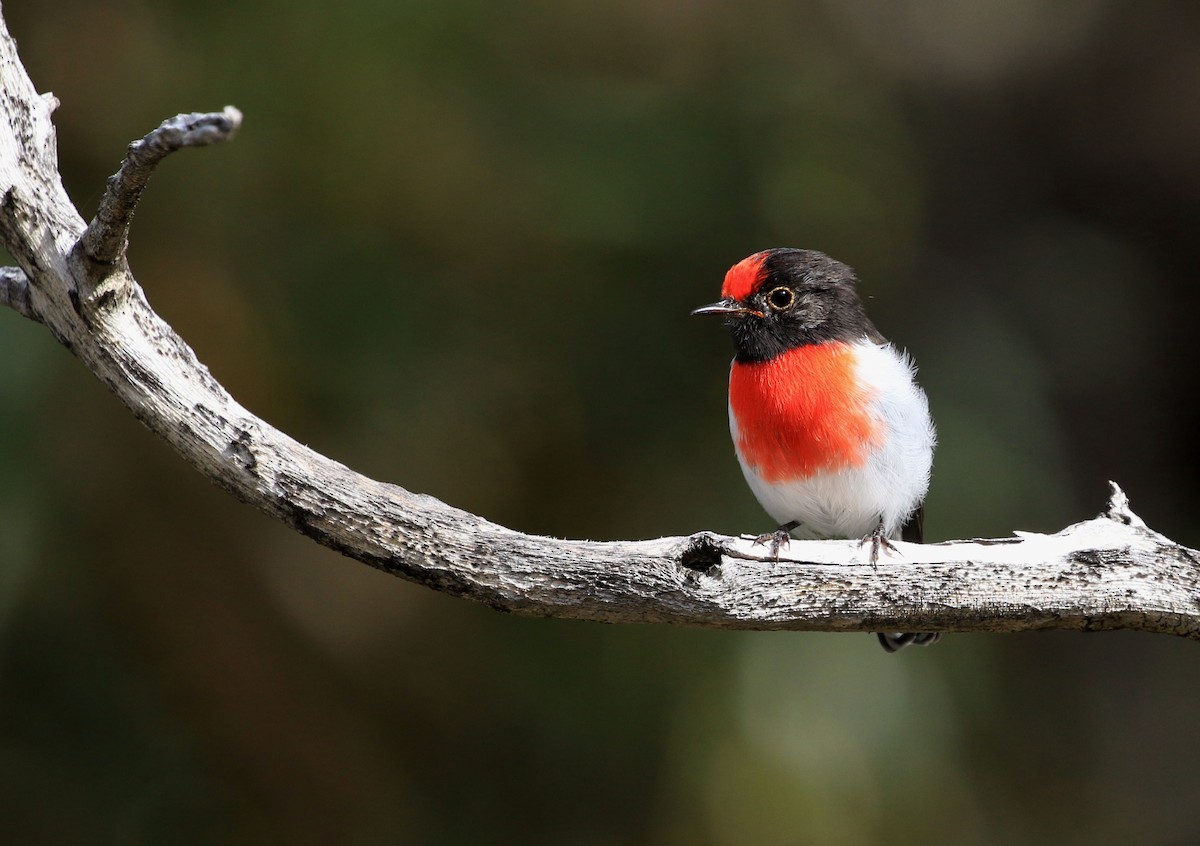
(890, 484)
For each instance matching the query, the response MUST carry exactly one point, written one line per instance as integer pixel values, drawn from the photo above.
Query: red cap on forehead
(744, 277)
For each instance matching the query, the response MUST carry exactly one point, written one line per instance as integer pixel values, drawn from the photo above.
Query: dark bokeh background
(455, 246)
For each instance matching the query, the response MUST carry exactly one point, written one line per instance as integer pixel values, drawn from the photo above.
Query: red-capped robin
(831, 429)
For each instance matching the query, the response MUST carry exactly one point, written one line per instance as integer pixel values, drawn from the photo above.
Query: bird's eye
(781, 299)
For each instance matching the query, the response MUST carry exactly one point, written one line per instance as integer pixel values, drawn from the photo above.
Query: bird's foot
(778, 538)
(878, 540)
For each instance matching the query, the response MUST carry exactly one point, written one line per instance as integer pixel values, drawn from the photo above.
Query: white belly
(888, 485)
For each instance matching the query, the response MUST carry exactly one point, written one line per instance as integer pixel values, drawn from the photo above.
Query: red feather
(801, 412)
(744, 277)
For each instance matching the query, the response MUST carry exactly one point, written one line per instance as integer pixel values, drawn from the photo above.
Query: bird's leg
(780, 537)
(878, 540)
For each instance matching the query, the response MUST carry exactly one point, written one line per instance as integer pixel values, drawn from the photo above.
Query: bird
(830, 427)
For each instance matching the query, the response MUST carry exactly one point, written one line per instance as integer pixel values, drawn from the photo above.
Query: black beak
(728, 307)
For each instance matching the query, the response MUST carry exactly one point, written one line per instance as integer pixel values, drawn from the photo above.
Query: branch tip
(197, 129)
(107, 236)
(1118, 507)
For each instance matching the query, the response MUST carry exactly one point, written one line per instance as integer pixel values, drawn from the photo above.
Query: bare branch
(107, 236)
(1107, 573)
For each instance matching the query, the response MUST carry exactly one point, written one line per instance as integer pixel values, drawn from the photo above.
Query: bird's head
(783, 298)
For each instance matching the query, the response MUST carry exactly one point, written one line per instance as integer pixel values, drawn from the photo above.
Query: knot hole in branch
(702, 552)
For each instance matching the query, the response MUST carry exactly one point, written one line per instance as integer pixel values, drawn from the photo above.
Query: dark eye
(781, 299)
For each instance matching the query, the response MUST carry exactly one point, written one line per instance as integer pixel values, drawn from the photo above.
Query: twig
(107, 236)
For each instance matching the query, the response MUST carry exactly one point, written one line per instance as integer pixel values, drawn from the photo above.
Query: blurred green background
(455, 246)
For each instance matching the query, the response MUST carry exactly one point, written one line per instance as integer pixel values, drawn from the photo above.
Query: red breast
(802, 412)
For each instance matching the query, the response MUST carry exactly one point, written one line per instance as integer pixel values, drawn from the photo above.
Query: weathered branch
(107, 236)
(1107, 573)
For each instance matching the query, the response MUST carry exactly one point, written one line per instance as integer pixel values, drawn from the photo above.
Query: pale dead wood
(1111, 572)
(107, 237)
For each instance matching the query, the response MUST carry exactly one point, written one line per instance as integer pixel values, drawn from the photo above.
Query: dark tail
(895, 641)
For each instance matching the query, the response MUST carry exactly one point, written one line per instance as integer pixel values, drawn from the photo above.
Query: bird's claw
(778, 538)
(878, 540)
